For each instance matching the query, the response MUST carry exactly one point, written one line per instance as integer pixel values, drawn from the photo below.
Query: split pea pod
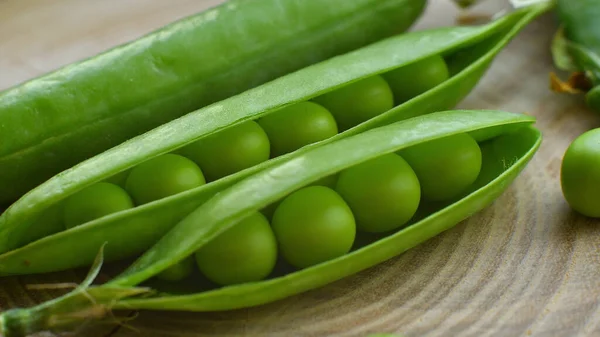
(501, 144)
(55, 121)
(33, 234)
(576, 48)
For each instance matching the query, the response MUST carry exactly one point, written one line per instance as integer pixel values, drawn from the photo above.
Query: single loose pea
(297, 125)
(313, 225)
(414, 79)
(383, 193)
(446, 166)
(178, 271)
(358, 102)
(230, 150)
(244, 253)
(94, 202)
(580, 174)
(163, 176)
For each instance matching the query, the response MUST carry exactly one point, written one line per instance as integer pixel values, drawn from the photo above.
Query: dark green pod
(33, 243)
(55, 121)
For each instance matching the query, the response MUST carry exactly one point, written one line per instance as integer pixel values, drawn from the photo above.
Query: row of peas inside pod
(253, 142)
(284, 131)
(163, 175)
(324, 220)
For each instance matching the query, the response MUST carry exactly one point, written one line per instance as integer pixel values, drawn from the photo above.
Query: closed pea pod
(24, 237)
(92, 105)
(501, 135)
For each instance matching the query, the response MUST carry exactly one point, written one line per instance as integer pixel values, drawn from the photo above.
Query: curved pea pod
(508, 142)
(576, 49)
(52, 122)
(34, 240)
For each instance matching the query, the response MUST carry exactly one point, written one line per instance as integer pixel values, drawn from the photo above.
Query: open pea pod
(507, 142)
(57, 120)
(32, 232)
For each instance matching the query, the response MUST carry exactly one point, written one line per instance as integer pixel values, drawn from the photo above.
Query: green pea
(313, 225)
(414, 79)
(383, 193)
(446, 166)
(178, 271)
(230, 150)
(95, 202)
(358, 101)
(245, 253)
(298, 125)
(163, 176)
(580, 174)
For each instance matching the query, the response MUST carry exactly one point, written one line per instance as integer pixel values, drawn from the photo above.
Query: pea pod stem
(42, 246)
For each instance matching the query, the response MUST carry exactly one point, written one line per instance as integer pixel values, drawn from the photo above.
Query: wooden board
(525, 266)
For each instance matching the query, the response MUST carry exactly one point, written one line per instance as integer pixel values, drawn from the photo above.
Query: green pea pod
(508, 142)
(576, 48)
(33, 240)
(52, 122)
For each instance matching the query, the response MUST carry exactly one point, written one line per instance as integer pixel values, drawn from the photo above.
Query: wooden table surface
(525, 266)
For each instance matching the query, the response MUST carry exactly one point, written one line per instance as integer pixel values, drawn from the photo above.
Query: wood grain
(525, 266)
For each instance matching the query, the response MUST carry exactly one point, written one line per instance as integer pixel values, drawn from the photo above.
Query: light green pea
(178, 271)
(163, 176)
(383, 193)
(580, 174)
(414, 79)
(313, 225)
(446, 166)
(94, 202)
(358, 102)
(230, 150)
(245, 253)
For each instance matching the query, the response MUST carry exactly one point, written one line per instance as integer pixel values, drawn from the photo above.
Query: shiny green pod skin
(504, 137)
(576, 47)
(33, 246)
(55, 121)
